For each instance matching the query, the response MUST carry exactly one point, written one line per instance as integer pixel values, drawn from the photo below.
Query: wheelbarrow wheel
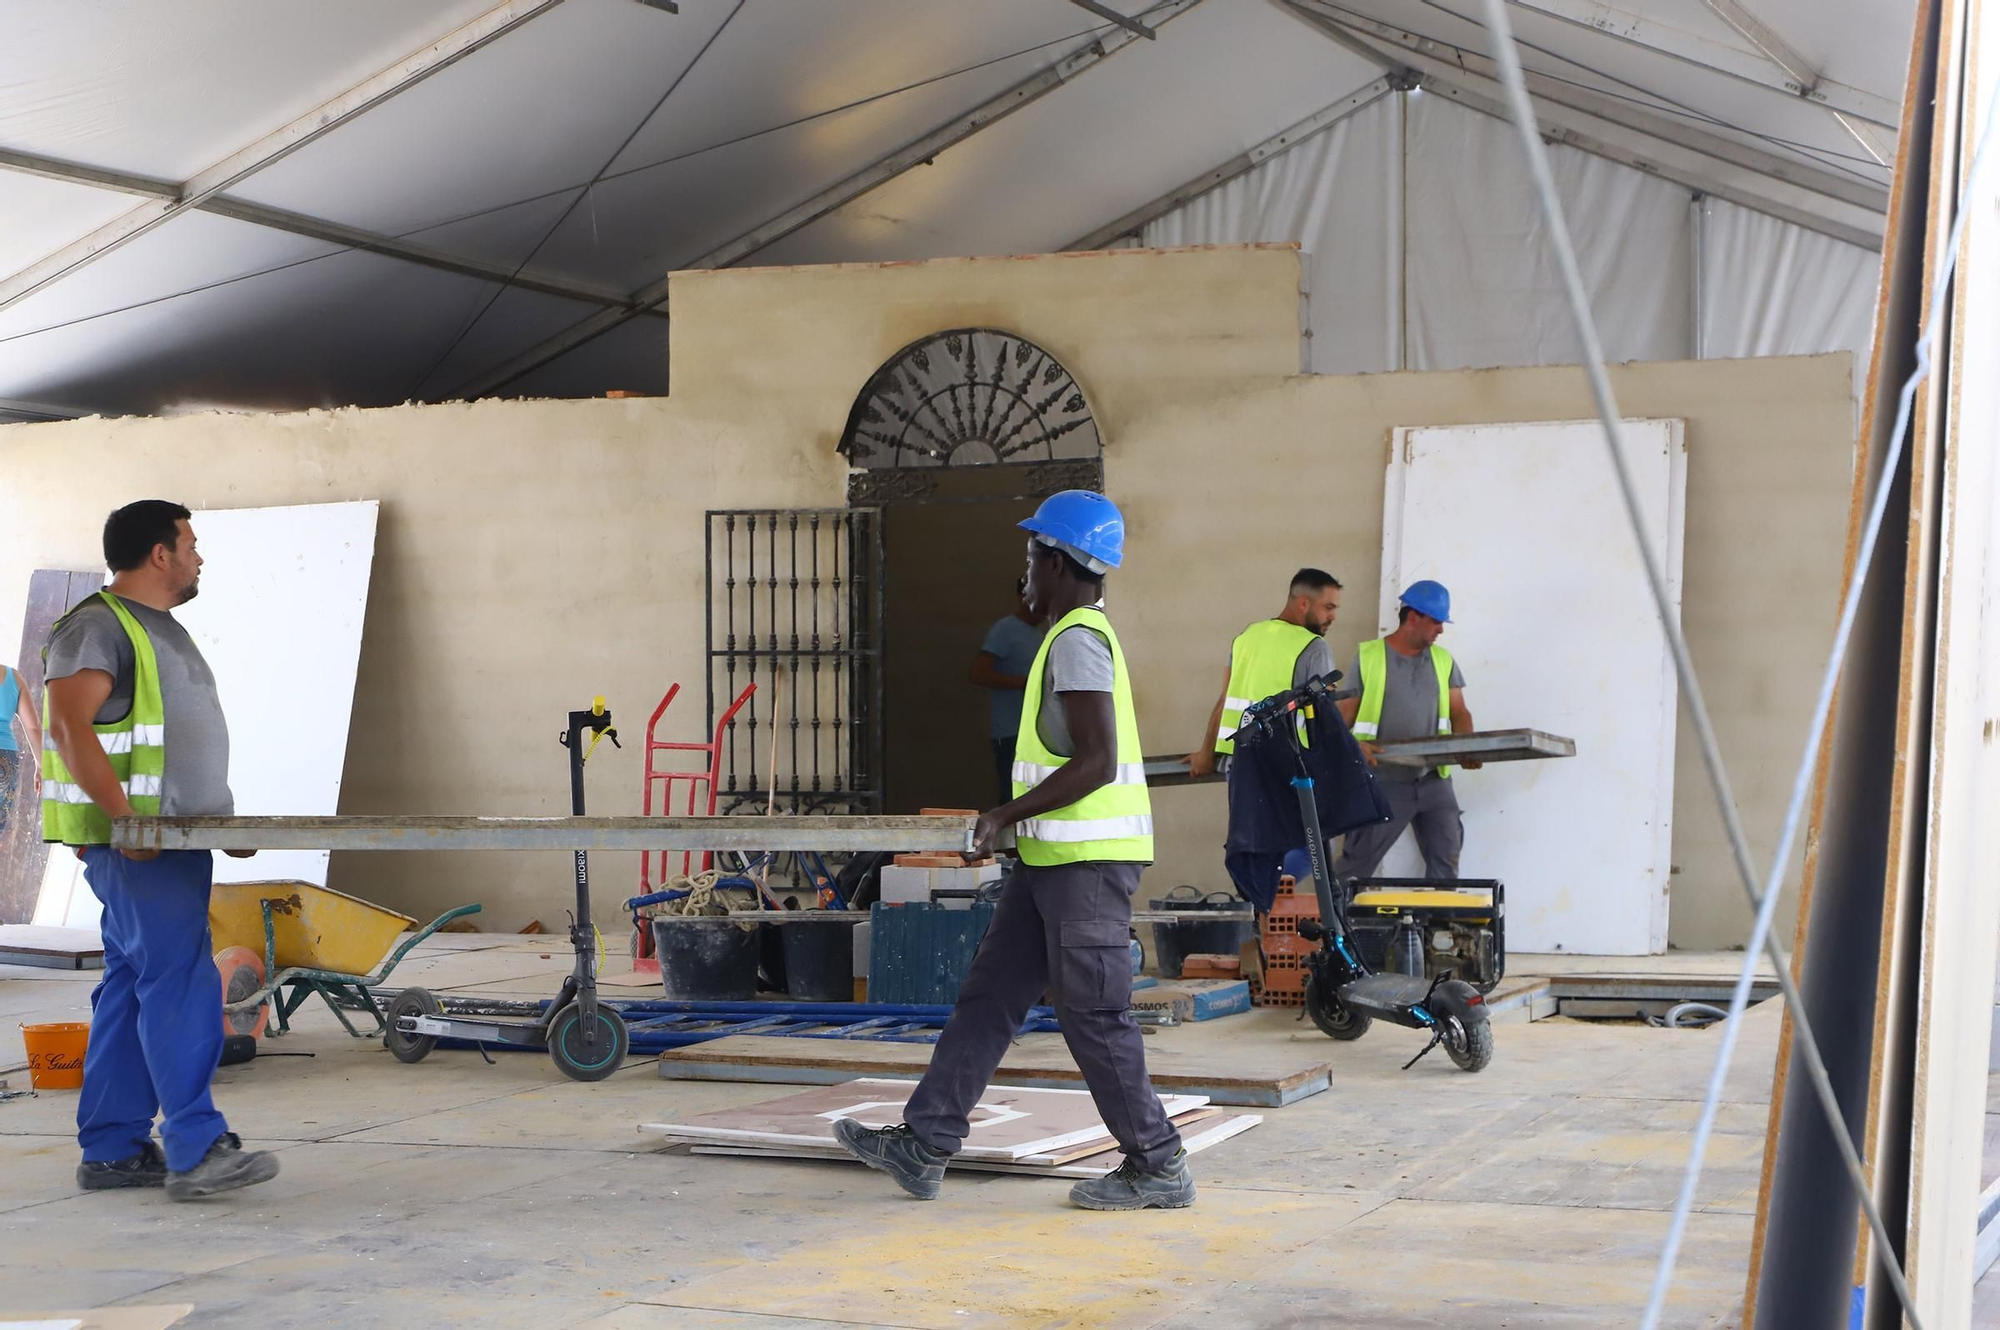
(1334, 1018)
(411, 1002)
(583, 1060)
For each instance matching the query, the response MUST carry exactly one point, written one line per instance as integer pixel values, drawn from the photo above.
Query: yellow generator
(1413, 926)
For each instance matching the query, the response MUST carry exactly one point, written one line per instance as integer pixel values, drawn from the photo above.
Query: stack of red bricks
(1284, 951)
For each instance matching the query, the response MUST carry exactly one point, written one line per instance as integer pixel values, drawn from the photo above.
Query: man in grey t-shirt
(156, 1028)
(1419, 797)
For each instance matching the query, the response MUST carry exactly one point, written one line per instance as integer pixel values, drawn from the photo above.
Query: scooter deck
(1387, 995)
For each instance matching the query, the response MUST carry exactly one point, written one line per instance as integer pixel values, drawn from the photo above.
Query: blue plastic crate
(920, 953)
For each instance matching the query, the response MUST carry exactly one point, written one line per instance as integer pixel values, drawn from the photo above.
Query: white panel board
(1555, 630)
(283, 595)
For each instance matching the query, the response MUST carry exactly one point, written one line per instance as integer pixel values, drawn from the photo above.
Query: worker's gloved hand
(1471, 765)
(241, 854)
(984, 833)
(1201, 763)
(1369, 751)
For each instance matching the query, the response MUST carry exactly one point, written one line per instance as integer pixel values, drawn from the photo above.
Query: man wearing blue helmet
(1083, 827)
(1406, 686)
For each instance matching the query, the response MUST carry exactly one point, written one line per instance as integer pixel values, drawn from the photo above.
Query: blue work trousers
(156, 1016)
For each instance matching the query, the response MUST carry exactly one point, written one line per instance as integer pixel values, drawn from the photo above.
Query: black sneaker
(1129, 1187)
(148, 1168)
(225, 1167)
(917, 1168)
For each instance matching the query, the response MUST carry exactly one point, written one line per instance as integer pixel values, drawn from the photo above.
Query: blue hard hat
(1083, 524)
(1428, 597)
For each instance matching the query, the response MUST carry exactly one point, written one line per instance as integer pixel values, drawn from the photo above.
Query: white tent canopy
(287, 203)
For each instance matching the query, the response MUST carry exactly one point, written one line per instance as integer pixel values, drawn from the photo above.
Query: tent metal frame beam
(316, 228)
(919, 152)
(275, 146)
(1130, 25)
(1547, 91)
(1717, 58)
(1761, 35)
(1687, 158)
(1135, 222)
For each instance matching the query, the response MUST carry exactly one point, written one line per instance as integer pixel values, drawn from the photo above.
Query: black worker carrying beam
(1084, 831)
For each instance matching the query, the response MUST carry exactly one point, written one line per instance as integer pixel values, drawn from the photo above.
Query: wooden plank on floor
(1009, 1123)
(1241, 1077)
(51, 948)
(1212, 1131)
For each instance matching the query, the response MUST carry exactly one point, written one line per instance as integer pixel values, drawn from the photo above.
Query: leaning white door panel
(1555, 629)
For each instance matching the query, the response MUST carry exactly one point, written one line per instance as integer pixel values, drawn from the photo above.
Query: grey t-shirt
(1409, 703)
(197, 736)
(1079, 662)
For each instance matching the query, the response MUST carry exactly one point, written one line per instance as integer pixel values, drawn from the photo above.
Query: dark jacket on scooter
(1264, 818)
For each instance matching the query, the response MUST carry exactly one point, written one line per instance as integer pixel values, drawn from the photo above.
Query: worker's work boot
(1129, 1187)
(148, 1168)
(917, 1169)
(225, 1167)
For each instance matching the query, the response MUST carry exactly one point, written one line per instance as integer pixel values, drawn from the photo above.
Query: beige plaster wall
(1214, 536)
(534, 553)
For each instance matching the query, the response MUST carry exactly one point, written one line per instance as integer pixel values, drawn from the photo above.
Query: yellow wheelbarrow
(312, 940)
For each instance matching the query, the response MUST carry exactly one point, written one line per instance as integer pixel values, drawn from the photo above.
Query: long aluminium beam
(911, 155)
(275, 146)
(833, 834)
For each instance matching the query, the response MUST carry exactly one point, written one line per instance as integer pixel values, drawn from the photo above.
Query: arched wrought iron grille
(970, 397)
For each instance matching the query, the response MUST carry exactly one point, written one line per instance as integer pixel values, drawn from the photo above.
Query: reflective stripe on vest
(1261, 660)
(1375, 683)
(135, 746)
(1113, 823)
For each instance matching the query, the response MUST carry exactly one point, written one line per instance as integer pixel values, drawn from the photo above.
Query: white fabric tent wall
(1337, 194)
(1769, 288)
(1424, 250)
(1483, 286)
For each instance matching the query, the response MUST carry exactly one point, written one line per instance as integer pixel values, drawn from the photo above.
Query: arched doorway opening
(956, 438)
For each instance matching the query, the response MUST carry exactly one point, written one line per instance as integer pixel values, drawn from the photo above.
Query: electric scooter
(586, 1039)
(1343, 996)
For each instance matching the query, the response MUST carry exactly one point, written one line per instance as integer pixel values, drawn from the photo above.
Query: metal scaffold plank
(934, 834)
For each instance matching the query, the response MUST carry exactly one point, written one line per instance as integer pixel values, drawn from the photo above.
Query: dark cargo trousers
(1062, 930)
(1431, 806)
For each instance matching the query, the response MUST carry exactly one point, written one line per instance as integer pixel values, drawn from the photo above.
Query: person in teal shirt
(20, 745)
(1001, 667)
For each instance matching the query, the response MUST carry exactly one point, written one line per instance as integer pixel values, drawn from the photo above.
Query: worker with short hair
(1271, 656)
(1406, 686)
(126, 687)
(1001, 667)
(1084, 826)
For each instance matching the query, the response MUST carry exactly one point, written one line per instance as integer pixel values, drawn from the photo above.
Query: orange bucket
(55, 1054)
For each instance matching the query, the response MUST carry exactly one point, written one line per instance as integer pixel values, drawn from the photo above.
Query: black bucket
(705, 958)
(1174, 943)
(819, 956)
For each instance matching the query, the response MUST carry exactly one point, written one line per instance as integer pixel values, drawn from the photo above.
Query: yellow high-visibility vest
(1112, 823)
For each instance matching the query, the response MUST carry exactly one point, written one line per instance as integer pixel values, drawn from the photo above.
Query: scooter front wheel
(1334, 1018)
(1469, 1046)
(583, 1060)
